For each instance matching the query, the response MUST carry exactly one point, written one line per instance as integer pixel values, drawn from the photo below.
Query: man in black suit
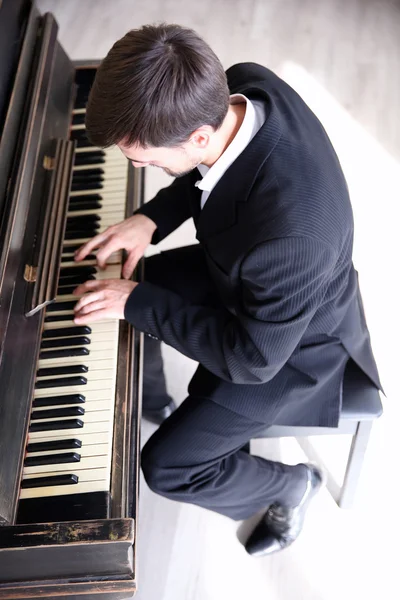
(268, 303)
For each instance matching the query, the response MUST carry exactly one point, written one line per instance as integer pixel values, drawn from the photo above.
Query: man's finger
(105, 252)
(88, 286)
(97, 315)
(92, 307)
(130, 264)
(92, 244)
(88, 299)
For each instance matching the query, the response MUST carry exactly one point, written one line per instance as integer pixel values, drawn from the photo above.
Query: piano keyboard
(71, 423)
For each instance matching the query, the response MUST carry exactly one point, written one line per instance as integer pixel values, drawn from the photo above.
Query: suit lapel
(219, 212)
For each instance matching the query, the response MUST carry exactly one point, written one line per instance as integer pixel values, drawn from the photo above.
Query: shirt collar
(212, 175)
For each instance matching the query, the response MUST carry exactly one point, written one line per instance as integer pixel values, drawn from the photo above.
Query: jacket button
(153, 337)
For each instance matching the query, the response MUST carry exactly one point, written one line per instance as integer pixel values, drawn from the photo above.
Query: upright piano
(69, 395)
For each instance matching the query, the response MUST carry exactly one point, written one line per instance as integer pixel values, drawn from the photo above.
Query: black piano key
(78, 134)
(85, 198)
(67, 370)
(49, 481)
(89, 158)
(83, 222)
(91, 205)
(56, 425)
(63, 352)
(69, 444)
(84, 143)
(69, 258)
(56, 400)
(68, 281)
(65, 332)
(87, 180)
(78, 270)
(55, 413)
(90, 185)
(71, 247)
(52, 459)
(81, 228)
(81, 102)
(80, 234)
(93, 219)
(89, 173)
(87, 177)
(67, 305)
(67, 290)
(62, 382)
(78, 119)
(71, 507)
(79, 340)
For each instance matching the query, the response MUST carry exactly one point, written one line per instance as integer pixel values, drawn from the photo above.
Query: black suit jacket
(277, 231)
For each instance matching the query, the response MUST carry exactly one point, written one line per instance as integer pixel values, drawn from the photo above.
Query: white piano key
(88, 439)
(84, 451)
(96, 336)
(106, 325)
(89, 375)
(84, 475)
(91, 396)
(106, 194)
(100, 485)
(93, 364)
(110, 214)
(89, 462)
(91, 357)
(108, 187)
(97, 427)
(102, 345)
(88, 405)
(96, 416)
(99, 385)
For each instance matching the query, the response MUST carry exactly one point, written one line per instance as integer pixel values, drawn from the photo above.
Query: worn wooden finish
(117, 589)
(69, 550)
(74, 559)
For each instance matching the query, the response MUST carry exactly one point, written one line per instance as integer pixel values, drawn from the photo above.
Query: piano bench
(361, 406)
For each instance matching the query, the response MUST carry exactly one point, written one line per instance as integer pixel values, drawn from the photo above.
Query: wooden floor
(343, 57)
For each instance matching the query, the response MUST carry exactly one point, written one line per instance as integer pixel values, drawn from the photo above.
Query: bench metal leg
(344, 495)
(354, 464)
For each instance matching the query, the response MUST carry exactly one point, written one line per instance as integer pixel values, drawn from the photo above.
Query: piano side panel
(22, 336)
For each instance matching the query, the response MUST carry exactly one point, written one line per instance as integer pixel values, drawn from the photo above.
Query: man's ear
(201, 137)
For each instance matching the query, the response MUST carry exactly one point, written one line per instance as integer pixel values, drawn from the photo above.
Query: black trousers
(199, 454)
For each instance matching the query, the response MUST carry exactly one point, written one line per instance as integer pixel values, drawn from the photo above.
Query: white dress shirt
(254, 118)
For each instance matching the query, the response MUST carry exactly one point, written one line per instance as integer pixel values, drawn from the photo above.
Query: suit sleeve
(169, 208)
(283, 282)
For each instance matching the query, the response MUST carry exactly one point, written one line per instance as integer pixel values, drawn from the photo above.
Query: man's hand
(103, 299)
(133, 235)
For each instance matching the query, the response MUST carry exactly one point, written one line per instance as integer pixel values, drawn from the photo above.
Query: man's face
(176, 162)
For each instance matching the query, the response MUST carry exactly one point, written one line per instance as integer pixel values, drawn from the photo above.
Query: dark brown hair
(155, 87)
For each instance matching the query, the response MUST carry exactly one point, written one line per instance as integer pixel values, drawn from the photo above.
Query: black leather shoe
(158, 415)
(281, 525)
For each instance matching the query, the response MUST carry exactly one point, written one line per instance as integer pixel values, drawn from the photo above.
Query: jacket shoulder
(241, 75)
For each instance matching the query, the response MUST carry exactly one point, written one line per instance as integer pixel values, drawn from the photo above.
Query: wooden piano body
(68, 544)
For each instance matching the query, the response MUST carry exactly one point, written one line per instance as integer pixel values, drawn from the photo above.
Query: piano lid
(13, 29)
